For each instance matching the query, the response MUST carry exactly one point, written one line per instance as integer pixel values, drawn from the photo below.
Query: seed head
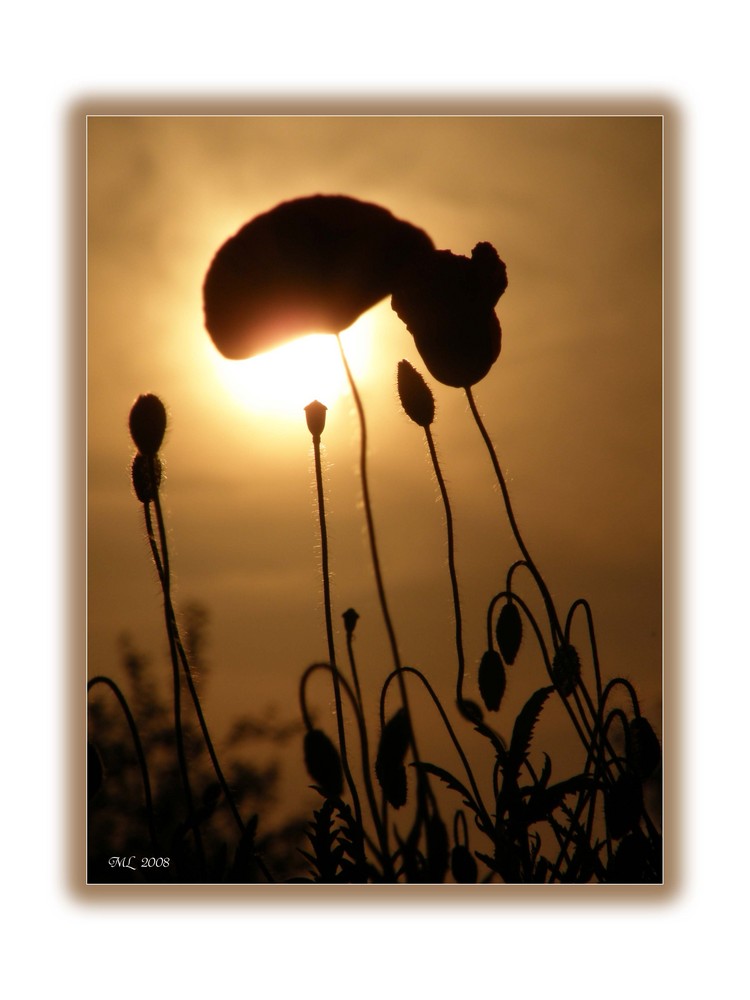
(316, 418)
(351, 618)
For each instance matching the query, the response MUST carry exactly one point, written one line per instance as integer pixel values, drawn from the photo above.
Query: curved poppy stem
(102, 679)
(179, 737)
(551, 612)
(451, 733)
(451, 566)
(364, 749)
(329, 629)
(191, 685)
(376, 567)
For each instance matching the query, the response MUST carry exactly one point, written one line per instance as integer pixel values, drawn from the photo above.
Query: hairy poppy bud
(389, 763)
(509, 631)
(323, 763)
(146, 475)
(316, 418)
(148, 422)
(566, 669)
(491, 680)
(415, 395)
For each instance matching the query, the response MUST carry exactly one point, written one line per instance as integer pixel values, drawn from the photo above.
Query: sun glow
(288, 378)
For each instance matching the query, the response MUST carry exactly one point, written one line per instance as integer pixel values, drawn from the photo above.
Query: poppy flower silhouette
(312, 265)
(315, 264)
(448, 304)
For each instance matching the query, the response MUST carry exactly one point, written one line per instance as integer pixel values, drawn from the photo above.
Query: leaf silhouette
(326, 852)
(523, 730)
(542, 803)
(453, 783)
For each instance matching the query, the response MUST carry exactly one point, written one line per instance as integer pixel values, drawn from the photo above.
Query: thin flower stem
(206, 736)
(381, 831)
(615, 682)
(378, 574)
(191, 685)
(583, 603)
(329, 629)
(179, 737)
(451, 565)
(353, 668)
(552, 614)
(548, 666)
(454, 739)
(101, 679)
(156, 555)
(368, 512)
(365, 748)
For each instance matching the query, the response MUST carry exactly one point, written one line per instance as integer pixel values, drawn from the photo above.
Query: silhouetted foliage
(118, 815)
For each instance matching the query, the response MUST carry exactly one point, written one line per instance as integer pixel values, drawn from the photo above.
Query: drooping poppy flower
(311, 265)
(448, 304)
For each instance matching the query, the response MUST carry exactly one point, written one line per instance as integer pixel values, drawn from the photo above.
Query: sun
(286, 379)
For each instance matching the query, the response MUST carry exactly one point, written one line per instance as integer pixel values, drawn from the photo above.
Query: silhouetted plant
(135, 812)
(317, 263)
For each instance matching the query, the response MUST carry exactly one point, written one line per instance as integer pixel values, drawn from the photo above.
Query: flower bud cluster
(148, 422)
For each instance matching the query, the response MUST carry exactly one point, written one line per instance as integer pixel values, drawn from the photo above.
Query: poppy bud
(463, 865)
(623, 802)
(148, 421)
(644, 752)
(415, 395)
(566, 669)
(389, 763)
(316, 418)
(491, 680)
(146, 475)
(323, 763)
(508, 631)
(470, 710)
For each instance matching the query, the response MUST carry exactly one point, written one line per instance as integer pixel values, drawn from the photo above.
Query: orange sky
(573, 206)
